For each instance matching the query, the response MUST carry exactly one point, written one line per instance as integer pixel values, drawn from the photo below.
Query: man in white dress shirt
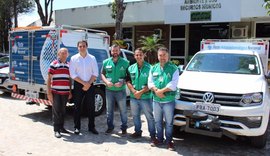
(84, 71)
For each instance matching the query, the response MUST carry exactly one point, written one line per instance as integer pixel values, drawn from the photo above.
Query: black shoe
(93, 130)
(109, 130)
(76, 131)
(170, 146)
(57, 134)
(155, 142)
(136, 135)
(63, 130)
(124, 131)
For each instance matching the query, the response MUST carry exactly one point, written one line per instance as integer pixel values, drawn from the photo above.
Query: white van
(224, 91)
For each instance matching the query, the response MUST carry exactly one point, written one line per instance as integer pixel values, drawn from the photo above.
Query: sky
(26, 19)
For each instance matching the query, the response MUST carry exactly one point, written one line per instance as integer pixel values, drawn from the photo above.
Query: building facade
(180, 24)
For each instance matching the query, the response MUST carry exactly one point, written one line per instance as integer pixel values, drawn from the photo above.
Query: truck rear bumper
(243, 121)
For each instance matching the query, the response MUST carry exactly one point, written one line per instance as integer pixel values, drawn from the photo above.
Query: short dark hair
(139, 49)
(82, 41)
(115, 45)
(163, 49)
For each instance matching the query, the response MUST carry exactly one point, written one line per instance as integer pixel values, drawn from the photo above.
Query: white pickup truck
(224, 91)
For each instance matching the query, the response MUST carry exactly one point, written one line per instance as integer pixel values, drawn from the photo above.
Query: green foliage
(25, 6)
(9, 9)
(176, 62)
(150, 45)
(266, 5)
(121, 43)
(113, 7)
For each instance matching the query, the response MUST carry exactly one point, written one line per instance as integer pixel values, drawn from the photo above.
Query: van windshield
(225, 63)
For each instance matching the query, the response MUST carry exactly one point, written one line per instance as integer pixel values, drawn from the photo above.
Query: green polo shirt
(115, 72)
(139, 78)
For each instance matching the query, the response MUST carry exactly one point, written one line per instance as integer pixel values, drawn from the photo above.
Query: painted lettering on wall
(193, 5)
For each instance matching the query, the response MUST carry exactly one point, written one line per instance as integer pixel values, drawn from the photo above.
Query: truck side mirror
(181, 69)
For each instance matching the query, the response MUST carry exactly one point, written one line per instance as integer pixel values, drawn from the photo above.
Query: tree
(21, 6)
(9, 10)
(266, 5)
(150, 45)
(46, 16)
(5, 23)
(118, 8)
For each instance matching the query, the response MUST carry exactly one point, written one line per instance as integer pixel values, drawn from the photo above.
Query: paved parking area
(27, 130)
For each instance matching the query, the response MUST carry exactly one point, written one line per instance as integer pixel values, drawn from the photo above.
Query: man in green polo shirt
(140, 95)
(114, 73)
(162, 80)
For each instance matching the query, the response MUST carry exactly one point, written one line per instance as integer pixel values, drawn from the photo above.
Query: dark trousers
(87, 98)
(58, 111)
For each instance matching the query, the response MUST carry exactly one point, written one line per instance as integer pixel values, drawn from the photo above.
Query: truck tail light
(14, 88)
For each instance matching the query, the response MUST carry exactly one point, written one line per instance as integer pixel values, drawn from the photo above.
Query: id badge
(161, 79)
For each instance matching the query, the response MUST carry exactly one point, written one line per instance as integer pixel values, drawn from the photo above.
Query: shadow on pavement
(203, 145)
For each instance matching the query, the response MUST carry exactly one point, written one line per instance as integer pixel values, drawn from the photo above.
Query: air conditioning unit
(158, 33)
(239, 32)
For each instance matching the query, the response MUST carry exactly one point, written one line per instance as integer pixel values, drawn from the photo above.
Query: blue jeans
(120, 98)
(166, 110)
(146, 106)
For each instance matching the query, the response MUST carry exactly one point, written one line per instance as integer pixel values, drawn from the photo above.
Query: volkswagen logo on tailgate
(208, 97)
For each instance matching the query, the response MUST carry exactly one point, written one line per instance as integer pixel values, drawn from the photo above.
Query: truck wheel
(259, 141)
(100, 101)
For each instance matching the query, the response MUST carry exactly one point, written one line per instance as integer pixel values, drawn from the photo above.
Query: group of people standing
(152, 91)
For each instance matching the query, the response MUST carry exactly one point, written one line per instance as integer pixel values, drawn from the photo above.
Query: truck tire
(259, 141)
(100, 101)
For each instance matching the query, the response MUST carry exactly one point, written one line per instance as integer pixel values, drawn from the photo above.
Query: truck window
(225, 63)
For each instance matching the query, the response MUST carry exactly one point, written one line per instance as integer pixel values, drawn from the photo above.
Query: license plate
(31, 94)
(207, 107)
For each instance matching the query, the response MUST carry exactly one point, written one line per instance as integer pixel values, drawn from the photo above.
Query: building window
(127, 33)
(178, 48)
(263, 31)
(128, 37)
(178, 31)
(197, 32)
(178, 44)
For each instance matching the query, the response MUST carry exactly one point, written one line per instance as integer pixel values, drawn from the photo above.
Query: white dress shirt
(83, 68)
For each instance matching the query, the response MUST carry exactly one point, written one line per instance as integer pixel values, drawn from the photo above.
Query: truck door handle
(34, 58)
(26, 58)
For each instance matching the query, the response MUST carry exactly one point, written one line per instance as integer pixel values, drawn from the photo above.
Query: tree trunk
(152, 57)
(15, 4)
(47, 18)
(120, 8)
